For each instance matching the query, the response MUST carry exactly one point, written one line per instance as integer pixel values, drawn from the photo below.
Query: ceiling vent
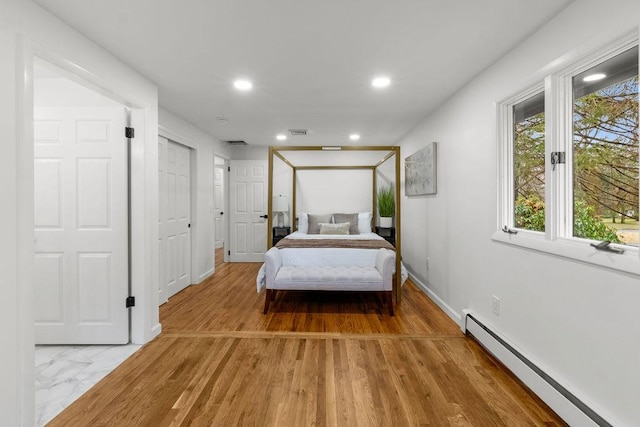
(298, 132)
(237, 143)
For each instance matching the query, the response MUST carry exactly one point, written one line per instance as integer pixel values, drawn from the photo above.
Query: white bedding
(327, 256)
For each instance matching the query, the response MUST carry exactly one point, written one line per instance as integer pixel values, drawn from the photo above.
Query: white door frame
(225, 184)
(227, 227)
(144, 181)
(218, 237)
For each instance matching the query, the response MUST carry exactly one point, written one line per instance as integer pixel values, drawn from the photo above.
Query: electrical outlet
(428, 263)
(495, 305)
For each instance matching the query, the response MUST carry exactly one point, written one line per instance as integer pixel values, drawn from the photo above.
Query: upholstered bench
(375, 278)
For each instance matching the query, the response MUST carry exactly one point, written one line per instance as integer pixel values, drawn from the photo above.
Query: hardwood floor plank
(331, 391)
(324, 359)
(205, 404)
(345, 401)
(321, 399)
(197, 383)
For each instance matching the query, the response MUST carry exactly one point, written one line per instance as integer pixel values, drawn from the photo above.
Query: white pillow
(303, 222)
(364, 222)
(327, 228)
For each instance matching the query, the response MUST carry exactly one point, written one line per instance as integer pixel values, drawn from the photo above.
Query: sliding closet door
(174, 176)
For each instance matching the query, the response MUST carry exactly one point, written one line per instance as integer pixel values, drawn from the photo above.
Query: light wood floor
(316, 359)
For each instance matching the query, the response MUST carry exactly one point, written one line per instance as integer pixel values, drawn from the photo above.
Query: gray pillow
(314, 220)
(340, 218)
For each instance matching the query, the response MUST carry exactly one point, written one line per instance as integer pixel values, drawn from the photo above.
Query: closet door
(174, 176)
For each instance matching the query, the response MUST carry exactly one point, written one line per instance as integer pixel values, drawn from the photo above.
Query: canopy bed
(335, 250)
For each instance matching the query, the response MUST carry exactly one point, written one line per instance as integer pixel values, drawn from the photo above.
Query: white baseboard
(439, 302)
(206, 275)
(155, 331)
(566, 404)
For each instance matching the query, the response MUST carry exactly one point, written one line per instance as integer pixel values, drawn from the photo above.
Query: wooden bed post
(292, 220)
(398, 280)
(374, 211)
(270, 200)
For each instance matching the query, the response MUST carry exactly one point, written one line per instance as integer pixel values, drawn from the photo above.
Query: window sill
(628, 262)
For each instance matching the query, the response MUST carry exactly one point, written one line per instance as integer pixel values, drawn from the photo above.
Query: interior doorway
(81, 211)
(81, 237)
(220, 195)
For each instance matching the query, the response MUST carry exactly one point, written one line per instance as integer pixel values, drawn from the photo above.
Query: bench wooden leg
(268, 297)
(389, 296)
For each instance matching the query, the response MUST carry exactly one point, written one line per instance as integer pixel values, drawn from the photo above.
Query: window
(528, 163)
(569, 157)
(605, 150)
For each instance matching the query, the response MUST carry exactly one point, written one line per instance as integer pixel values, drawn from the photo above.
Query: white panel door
(81, 226)
(174, 176)
(248, 200)
(218, 206)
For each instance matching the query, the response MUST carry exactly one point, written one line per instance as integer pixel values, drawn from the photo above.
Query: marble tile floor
(64, 373)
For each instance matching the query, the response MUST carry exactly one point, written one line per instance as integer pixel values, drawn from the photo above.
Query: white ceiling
(311, 62)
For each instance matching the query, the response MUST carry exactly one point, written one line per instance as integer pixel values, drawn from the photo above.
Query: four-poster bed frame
(393, 151)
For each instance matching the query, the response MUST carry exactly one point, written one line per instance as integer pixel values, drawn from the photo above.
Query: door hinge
(131, 301)
(228, 168)
(229, 253)
(129, 132)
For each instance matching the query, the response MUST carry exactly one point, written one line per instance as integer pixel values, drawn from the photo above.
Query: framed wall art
(421, 172)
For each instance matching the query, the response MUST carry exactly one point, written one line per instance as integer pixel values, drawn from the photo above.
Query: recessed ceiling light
(594, 77)
(281, 137)
(354, 137)
(241, 84)
(381, 81)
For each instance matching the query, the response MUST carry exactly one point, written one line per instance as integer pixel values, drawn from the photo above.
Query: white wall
(334, 191)
(206, 148)
(62, 92)
(575, 320)
(283, 186)
(25, 30)
(248, 152)
(386, 176)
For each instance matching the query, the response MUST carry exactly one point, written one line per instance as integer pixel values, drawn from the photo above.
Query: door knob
(264, 216)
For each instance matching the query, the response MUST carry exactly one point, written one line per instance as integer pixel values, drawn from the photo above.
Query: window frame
(557, 239)
(506, 182)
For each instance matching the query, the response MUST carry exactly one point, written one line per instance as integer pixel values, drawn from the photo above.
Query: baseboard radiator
(572, 410)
